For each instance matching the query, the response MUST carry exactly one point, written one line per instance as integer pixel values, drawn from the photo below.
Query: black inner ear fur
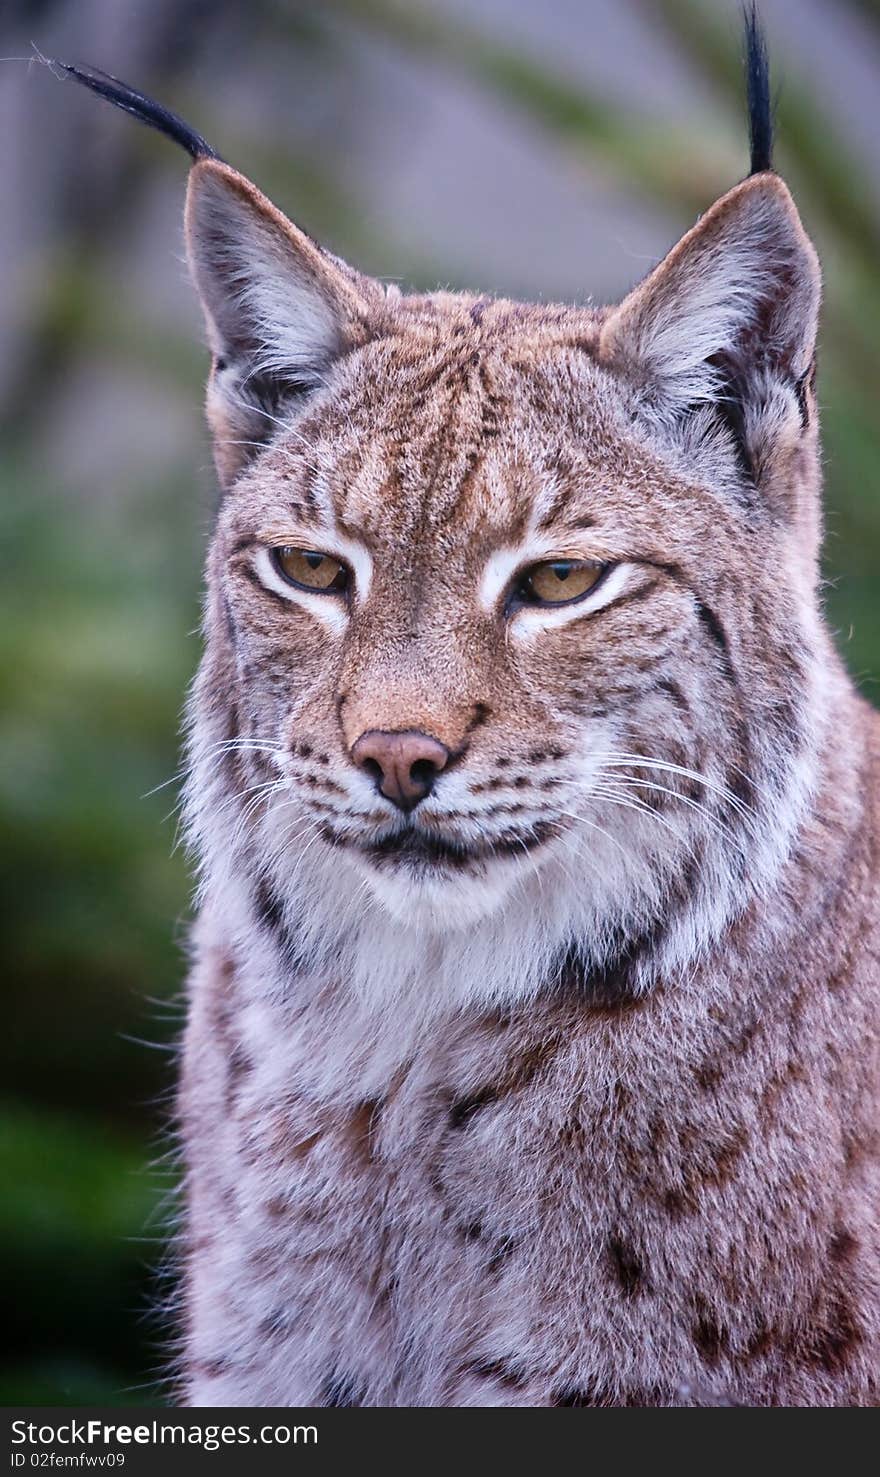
(257, 400)
(736, 392)
(743, 369)
(730, 407)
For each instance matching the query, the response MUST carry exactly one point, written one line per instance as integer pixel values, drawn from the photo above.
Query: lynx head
(512, 613)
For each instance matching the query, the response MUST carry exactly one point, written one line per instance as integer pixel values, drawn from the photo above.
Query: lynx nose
(404, 765)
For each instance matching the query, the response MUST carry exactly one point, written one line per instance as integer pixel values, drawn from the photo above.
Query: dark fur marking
(741, 786)
(610, 987)
(502, 1371)
(491, 409)
(710, 1339)
(842, 975)
(502, 1250)
(703, 1166)
(712, 625)
(462, 1111)
(630, 598)
(241, 544)
(333, 838)
(804, 390)
(223, 1005)
(838, 1335)
(725, 1157)
(275, 1325)
(514, 843)
(520, 1075)
(577, 1398)
(708, 1075)
(342, 1390)
(708, 618)
(859, 1147)
(268, 908)
(253, 578)
(842, 1247)
(238, 1067)
(760, 1343)
(603, 1397)
(269, 913)
(675, 1203)
(212, 1369)
(777, 1085)
(713, 1069)
(627, 1266)
(317, 782)
(302, 1149)
(363, 1126)
(674, 692)
(229, 621)
(419, 846)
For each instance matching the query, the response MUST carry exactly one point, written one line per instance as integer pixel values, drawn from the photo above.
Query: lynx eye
(558, 581)
(309, 569)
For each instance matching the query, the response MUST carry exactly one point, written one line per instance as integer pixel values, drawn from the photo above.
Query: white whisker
(694, 805)
(616, 759)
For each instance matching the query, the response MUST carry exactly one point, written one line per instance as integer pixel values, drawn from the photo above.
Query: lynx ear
(728, 317)
(278, 309)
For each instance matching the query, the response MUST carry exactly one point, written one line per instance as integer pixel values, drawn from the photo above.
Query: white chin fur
(440, 901)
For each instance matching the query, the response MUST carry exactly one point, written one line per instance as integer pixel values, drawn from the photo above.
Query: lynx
(531, 1053)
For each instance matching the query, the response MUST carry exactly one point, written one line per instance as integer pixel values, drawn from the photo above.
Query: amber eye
(558, 581)
(311, 570)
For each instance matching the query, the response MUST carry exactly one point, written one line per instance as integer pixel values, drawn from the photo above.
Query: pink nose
(404, 765)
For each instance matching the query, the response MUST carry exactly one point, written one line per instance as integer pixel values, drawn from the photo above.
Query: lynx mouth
(420, 850)
(423, 848)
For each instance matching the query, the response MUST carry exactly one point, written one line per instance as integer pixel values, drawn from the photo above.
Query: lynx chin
(531, 1055)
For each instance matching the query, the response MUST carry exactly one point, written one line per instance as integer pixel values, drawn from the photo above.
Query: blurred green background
(551, 151)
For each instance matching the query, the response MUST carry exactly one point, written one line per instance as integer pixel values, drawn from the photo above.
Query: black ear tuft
(758, 93)
(143, 108)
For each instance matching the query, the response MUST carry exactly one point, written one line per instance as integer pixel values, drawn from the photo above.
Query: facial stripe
(712, 624)
(707, 616)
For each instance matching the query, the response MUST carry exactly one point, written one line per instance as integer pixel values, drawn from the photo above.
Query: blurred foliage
(98, 609)
(94, 659)
(73, 1303)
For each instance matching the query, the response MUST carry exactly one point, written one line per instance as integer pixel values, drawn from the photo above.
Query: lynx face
(510, 607)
